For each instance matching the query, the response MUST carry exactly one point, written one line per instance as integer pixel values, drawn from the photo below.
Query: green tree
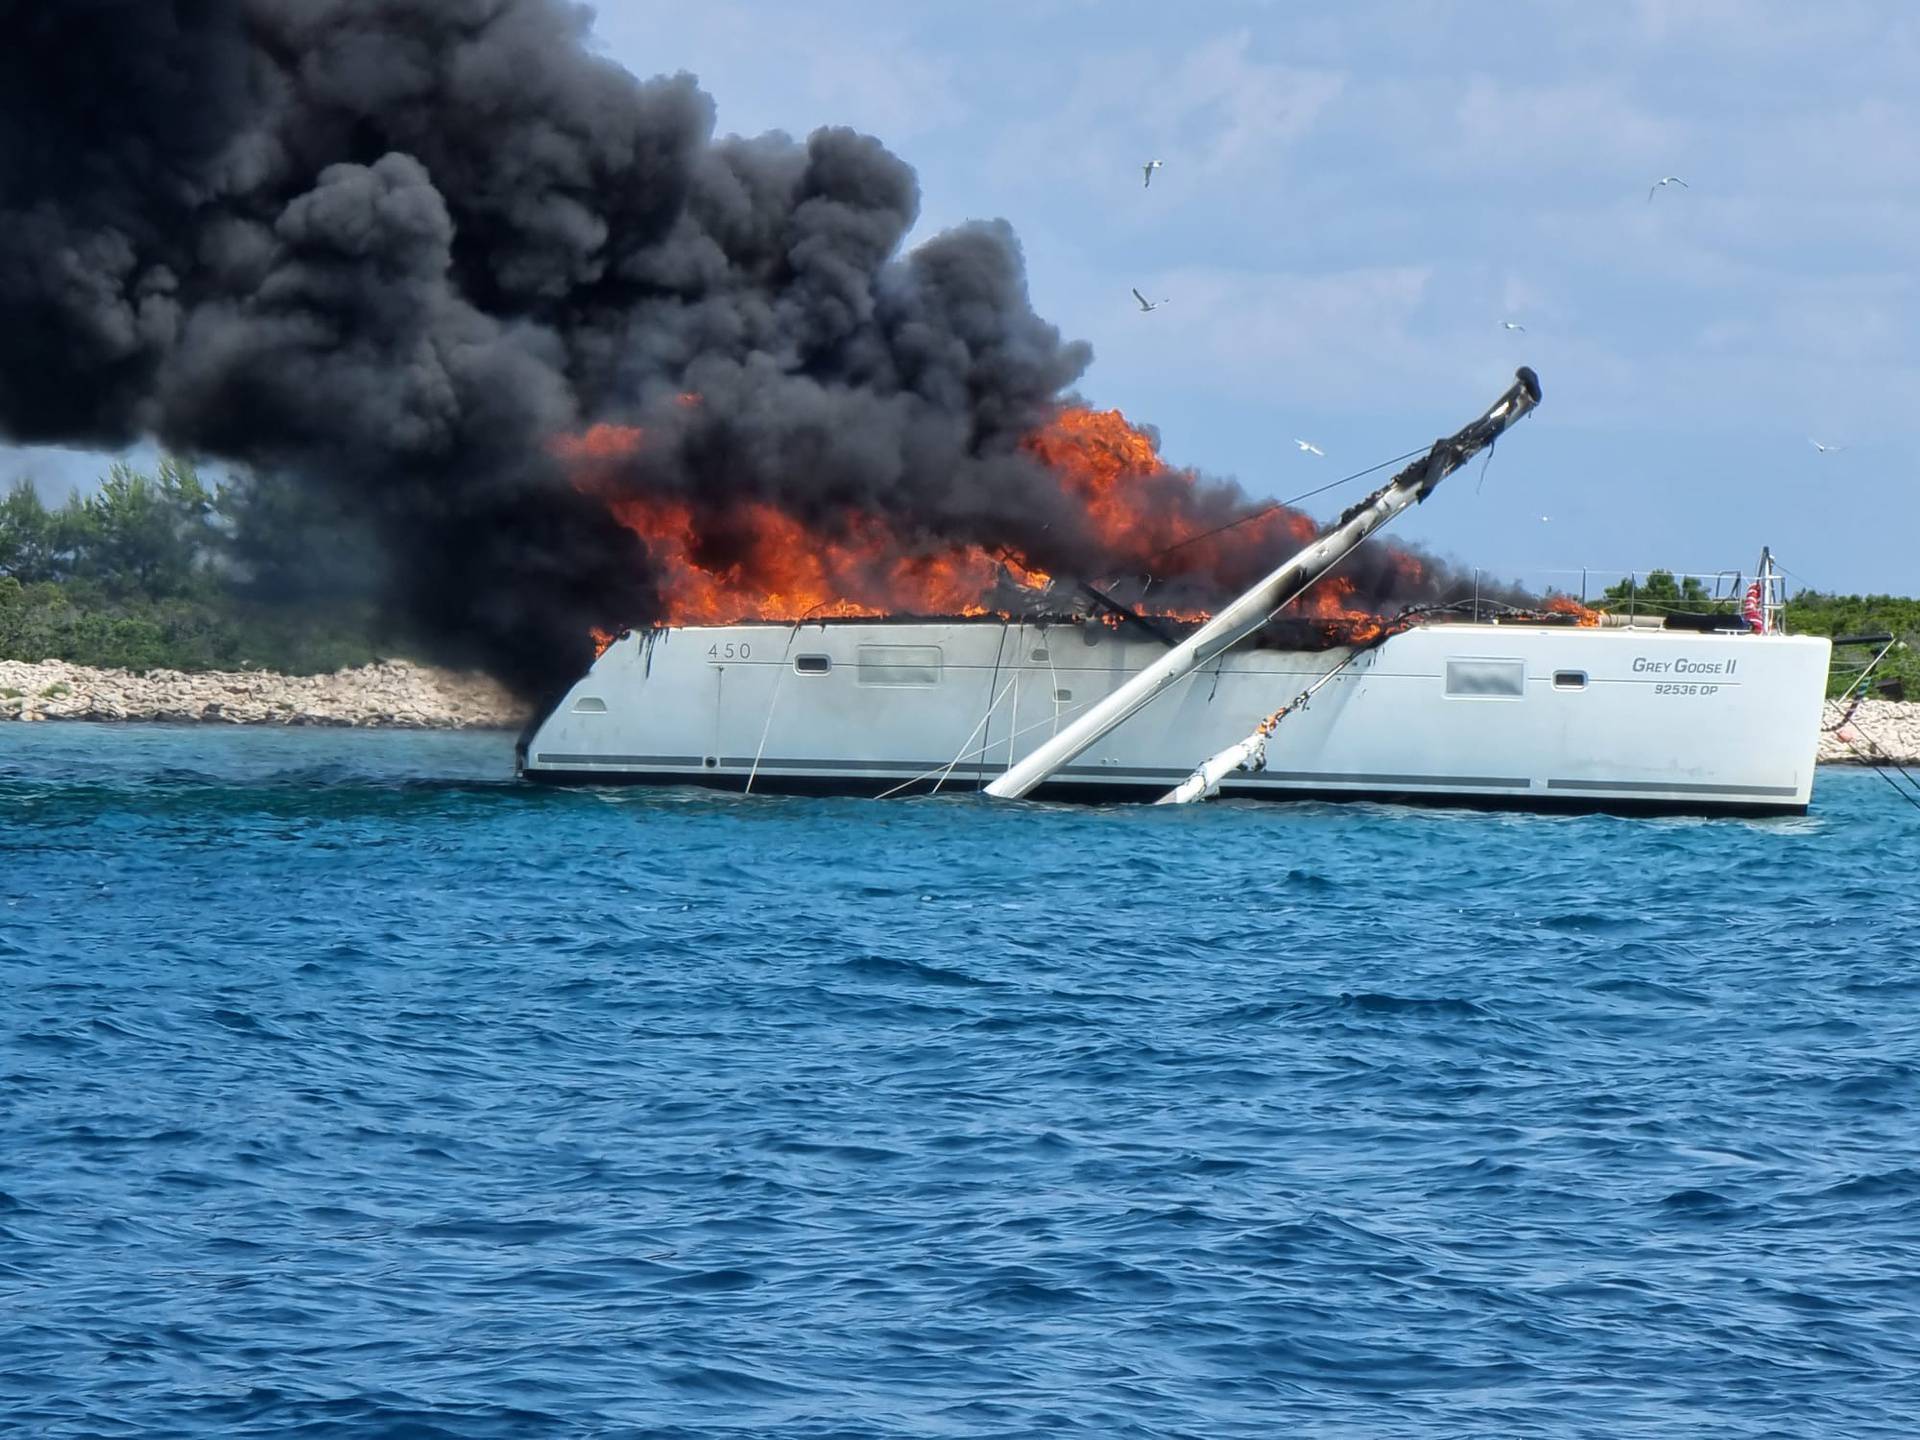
(159, 570)
(72, 530)
(38, 544)
(26, 535)
(291, 544)
(151, 535)
(1658, 590)
(1810, 612)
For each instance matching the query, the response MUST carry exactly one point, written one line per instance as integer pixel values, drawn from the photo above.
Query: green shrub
(1812, 613)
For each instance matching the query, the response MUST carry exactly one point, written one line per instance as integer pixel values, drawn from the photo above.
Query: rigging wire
(767, 729)
(945, 771)
(1285, 504)
(1881, 771)
(1880, 759)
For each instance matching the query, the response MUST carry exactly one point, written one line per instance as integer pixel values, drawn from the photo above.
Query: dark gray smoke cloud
(394, 247)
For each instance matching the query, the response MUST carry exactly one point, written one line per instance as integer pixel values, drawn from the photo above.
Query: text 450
(730, 651)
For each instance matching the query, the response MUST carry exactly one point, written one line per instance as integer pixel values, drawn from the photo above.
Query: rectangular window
(900, 665)
(813, 664)
(1487, 679)
(1569, 679)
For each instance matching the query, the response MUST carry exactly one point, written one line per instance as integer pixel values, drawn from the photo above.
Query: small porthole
(712, 763)
(589, 705)
(813, 664)
(1569, 679)
(1063, 696)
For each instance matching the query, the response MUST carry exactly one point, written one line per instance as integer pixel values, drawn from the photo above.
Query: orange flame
(754, 561)
(599, 443)
(1113, 468)
(758, 563)
(1567, 605)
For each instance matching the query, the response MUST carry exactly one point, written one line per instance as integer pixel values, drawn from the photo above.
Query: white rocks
(1879, 730)
(393, 695)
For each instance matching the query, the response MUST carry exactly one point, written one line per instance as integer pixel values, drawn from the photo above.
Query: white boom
(1250, 611)
(1251, 753)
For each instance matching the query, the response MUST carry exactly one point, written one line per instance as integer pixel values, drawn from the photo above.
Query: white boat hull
(1527, 716)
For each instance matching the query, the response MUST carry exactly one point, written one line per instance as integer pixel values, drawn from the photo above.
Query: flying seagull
(1509, 325)
(1825, 449)
(1663, 183)
(1307, 447)
(1147, 305)
(1146, 172)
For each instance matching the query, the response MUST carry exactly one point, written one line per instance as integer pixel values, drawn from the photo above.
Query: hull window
(1569, 679)
(1487, 679)
(900, 665)
(813, 664)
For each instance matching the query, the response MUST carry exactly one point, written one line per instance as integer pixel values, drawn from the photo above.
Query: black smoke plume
(393, 248)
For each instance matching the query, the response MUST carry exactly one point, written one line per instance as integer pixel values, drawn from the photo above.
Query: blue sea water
(348, 1088)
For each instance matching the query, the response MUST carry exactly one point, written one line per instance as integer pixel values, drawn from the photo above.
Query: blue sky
(1356, 196)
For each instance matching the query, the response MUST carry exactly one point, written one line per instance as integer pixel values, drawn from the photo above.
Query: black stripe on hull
(1107, 792)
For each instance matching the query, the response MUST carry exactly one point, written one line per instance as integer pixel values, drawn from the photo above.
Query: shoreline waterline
(398, 694)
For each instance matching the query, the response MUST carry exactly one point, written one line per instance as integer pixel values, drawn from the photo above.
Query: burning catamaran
(1543, 710)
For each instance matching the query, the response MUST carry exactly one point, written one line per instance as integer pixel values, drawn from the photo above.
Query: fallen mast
(1250, 611)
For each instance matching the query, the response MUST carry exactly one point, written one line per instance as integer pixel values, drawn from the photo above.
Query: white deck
(1508, 714)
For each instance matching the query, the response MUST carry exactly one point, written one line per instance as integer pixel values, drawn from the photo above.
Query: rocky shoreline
(392, 695)
(401, 695)
(1879, 731)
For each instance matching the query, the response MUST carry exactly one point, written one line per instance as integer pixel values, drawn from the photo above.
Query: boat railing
(1660, 590)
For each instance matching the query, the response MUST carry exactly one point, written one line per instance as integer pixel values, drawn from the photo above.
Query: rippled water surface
(348, 1088)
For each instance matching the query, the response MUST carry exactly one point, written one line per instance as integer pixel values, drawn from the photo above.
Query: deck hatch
(1486, 679)
(900, 665)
